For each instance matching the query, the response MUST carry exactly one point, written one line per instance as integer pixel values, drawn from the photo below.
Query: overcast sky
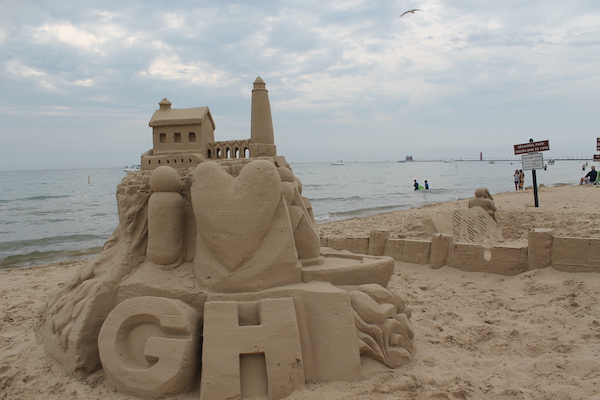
(347, 79)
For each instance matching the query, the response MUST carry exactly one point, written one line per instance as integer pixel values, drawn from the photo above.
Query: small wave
(340, 199)
(322, 217)
(369, 211)
(313, 186)
(362, 212)
(45, 257)
(8, 222)
(41, 213)
(51, 240)
(37, 198)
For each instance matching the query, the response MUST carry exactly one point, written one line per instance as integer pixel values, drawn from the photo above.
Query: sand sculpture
(484, 200)
(477, 224)
(217, 262)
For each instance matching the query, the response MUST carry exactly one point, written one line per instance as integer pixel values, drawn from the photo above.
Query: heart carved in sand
(233, 215)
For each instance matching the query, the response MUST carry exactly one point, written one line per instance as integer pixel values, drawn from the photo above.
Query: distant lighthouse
(262, 138)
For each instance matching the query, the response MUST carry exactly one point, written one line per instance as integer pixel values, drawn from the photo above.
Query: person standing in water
(426, 185)
(416, 185)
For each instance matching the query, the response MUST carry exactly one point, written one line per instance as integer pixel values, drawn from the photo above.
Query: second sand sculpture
(217, 262)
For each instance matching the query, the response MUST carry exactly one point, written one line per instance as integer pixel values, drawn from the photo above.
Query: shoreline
(342, 227)
(573, 208)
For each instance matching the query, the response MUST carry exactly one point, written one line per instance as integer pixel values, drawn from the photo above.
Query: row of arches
(229, 149)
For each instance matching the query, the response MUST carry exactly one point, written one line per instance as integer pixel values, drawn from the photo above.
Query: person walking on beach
(517, 177)
(521, 179)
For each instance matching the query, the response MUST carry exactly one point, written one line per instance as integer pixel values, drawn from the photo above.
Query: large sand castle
(217, 262)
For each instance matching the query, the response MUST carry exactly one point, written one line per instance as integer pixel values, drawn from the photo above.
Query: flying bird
(410, 11)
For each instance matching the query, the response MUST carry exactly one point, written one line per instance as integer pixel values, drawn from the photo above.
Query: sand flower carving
(381, 318)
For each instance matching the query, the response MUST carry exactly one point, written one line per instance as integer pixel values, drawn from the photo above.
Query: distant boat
(132, 168)
(338, 162)
(492, 162)
(448, 161)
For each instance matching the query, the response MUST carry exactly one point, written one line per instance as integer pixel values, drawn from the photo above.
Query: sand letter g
(148, 346)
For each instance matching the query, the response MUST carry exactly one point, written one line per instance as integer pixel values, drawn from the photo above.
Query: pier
(513, 159)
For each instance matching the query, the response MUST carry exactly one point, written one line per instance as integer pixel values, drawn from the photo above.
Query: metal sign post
(532, 160)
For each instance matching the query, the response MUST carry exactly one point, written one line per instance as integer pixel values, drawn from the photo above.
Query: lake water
(54, 215)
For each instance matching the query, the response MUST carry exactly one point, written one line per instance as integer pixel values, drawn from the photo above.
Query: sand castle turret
(262, 139)
(217, 245)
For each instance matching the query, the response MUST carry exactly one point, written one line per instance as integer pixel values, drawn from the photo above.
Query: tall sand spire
(261, 125)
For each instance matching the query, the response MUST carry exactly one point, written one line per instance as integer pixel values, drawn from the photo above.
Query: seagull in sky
(410, 11)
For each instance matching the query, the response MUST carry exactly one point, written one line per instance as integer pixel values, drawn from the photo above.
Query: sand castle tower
(222, 250)
(262, 138)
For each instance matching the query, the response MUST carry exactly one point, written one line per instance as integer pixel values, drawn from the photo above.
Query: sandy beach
(479, 336)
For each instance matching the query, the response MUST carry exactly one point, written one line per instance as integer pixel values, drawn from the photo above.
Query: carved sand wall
(543, 250)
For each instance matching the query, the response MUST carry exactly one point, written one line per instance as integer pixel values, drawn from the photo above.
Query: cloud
(172, 68)
(38, 76)
(69, 34)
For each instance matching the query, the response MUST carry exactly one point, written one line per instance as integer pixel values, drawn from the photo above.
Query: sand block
(148, 346)
(245, 240)
(440, 247)
(505, 260)
(343, 268)
(377, 240)
(328, 337)
(250, 349)
(359, 245)
(408, 250)
(539, 253)
(472, 225)
(576, 254)
(152, 280)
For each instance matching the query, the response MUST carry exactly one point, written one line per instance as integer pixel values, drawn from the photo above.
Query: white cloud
(173, 21)
(36, 75)
(43, 78)
(95, 38)
(69, 34)
(170, 67)
(84, 82)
